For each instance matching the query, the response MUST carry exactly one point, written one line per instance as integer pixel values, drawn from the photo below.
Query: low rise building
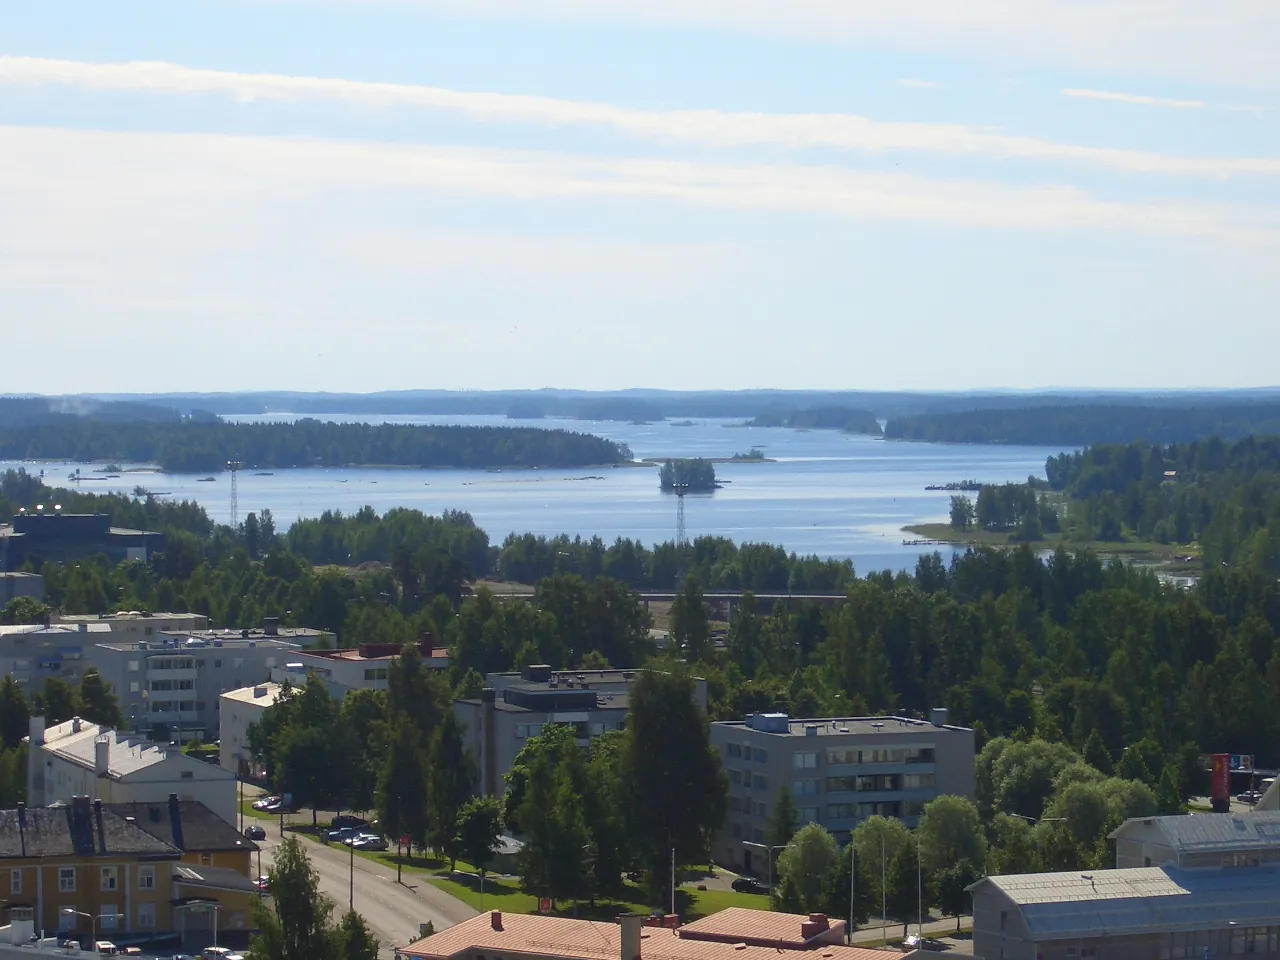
(531, 937)
(839, 772)
(765, 928)
(169, 687)
(14, 584)
(366, 667)
(34, 652)
(55, 536)
(137, 625)
(78, 758)
(238, 711)
(302, 637)
(516, 706)
(1211, 841)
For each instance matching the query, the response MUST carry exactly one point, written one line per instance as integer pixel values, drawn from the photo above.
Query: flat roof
(353, 654)
(154, 647)
(246, 694)
(842, 726)
(128, 615)
(1140, 900)
(254, 633)
(571, 939)
(53, 629)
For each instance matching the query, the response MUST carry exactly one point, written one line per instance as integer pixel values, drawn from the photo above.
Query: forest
(190, 446)
(1079, 426)
(848, 419)
(695, 476)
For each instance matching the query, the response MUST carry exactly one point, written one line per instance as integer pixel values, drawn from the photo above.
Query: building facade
(136, 625)
(240, 710)
(516, 706)
(366, 667)
(839, 772)
(170, 688)
(14, 584)
(78, 758)
(34, 652)
(58, 537)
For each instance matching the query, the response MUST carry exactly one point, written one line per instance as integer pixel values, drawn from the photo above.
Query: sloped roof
(74, 831)
(211, 878)
(762, 927)
(1060, 906)
(1212, 832)
(186, 824)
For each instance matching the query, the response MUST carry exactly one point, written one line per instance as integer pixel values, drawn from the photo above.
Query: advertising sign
(1220, 779)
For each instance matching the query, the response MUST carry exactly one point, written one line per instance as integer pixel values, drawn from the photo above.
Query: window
(134, 686)
(807, 814)
(107, 917)
(804, 761)
(15, 881)
(735, 804)
(734, 749)
(835, 784)
(238, 662)
(759, 782)
(206, 859)
(757, 835)
(917, 781)
(804, 788)
(378, 673)
(217, 664)
(839, 811)
(110, 875)
(146, 877)
(1004, 919)
(146, 916)
(735, 830)
(735, 777)
(759, 809)
(66, 879)
(882, 782)
(134, 666)
(760, 755)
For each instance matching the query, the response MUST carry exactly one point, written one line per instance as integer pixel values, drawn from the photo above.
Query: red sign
(544, 905)
(1221, 779)
(406, 841)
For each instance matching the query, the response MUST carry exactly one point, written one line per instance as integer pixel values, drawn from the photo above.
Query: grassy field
(1145, 551)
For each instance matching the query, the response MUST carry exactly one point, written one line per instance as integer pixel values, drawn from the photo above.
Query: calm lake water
(828, 493)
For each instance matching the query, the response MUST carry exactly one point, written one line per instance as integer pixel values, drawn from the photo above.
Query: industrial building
(169, 687)
(1187, 887)
(50, 535)
(14, 584)
(78, 758)
(516, 706)
(839, 772)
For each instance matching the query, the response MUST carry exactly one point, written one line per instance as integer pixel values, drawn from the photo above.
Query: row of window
(865, 783)
(739, 832)
(107, 918)
(1243, 941)
(375, 673)
(108, 879)
(747, 752)
(187, 663)
(168, 706)
(173, 685)
(918, 754)
(748, 779)
(594, 728)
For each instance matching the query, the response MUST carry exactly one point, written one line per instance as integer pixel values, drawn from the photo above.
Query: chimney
(75, 724)
(495, 919)
(258, 692)
(271, 626)
(102, 756)
(816, 924)
(631, 927)
(938, 716)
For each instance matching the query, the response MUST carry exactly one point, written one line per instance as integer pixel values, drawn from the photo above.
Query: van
(105, 948)
(216, 953)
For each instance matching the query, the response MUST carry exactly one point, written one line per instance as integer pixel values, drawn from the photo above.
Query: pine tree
(98, 704)
(353, 939)
(1168, 796)
(450, 783)
(1096, 753)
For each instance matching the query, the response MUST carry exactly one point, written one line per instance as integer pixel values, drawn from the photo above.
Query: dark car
(255, 832)
(346, 820)
(368, 841)
(749, 885)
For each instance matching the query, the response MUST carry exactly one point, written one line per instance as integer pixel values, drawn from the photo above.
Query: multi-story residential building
(239, 710)
(1186, 887)
(366, 667)
(301, 637)
(33, 652)
(78, 758)
(80, 869)
(136, 625)
(169, 688)
(14, 584)
(839, 771)
(516, 706)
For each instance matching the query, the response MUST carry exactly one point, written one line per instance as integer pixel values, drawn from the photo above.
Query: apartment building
(301, 637)
(137, 625)
(366, 667)
(1185, 887)
(516, 706)
(839, 771)
(169, 687)
(78, 758)
(34, 652)
(239, 710)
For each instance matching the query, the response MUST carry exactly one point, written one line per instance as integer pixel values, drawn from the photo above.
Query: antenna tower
(682, 535)
(235, 466)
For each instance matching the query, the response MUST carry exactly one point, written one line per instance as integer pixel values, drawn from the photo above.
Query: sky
(361, 195)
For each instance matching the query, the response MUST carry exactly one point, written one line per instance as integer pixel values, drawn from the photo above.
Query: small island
(691, 476)
(845, 419)
(754, 455)
(956, 486)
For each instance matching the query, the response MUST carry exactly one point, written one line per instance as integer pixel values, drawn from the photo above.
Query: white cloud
(708, 128)
(917, 84)
(106, 177)
(1228, 41)
(1134, 98)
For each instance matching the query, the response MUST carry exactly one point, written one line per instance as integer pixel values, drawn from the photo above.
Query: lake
(828, 493)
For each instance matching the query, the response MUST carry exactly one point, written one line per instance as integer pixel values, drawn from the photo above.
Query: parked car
(369, 841)
(342, 834)
(255, 832)
(749, 885)
(264, 803)
(216, 953)
(262, 885)
(347, 820)
(923, 943)
(105, 948)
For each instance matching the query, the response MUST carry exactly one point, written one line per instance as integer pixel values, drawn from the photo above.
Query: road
(393, 911)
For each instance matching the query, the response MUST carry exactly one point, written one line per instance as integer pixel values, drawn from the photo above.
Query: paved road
(393, 911)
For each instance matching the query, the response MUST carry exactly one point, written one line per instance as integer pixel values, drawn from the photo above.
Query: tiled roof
(1064, 906)
(762, 927)
(1214, 832)
(186, 824)
(75, 830)
(569, 939)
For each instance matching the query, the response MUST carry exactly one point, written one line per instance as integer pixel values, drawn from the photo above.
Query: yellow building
(81, 870)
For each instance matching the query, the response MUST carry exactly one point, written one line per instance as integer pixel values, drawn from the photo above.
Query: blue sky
(385, 194)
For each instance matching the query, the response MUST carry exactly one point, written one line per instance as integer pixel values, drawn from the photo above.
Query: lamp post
(93, 920)
(768, 849)
(853, 874)
(1034, 821)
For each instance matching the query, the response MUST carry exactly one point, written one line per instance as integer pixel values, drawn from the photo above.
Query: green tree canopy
(951, 831)
(803, 868)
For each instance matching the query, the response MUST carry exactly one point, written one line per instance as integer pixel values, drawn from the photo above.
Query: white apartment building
(78, 758)
(238, 711)
(366, 667)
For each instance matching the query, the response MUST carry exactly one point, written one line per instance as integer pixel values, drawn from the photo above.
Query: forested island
(185, 446)
(848, 419)
(1078, 426)
(694, 476)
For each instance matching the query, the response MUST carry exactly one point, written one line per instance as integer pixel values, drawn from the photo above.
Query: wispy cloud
(1134, 98)
(124, 171)
(917, 84)
(706, 128)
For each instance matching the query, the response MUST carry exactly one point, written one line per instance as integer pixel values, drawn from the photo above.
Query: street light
(1034, 821)
(769, 855)
(73, 912)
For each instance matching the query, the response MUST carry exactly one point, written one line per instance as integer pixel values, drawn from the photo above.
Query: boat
(206, 480)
